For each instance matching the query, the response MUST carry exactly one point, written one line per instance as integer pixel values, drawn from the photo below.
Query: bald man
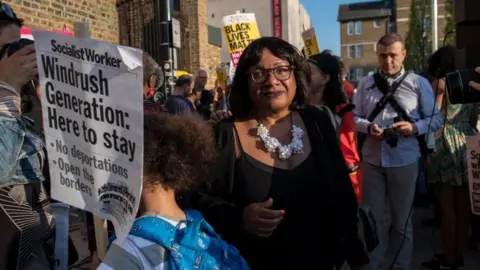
(201, 78)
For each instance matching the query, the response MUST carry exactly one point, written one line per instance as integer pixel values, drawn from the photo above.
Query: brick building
(200, 42)
(54, 14)
(118, 21)
(362, 24)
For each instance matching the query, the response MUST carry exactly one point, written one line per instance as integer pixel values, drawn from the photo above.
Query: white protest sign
(473, 161)
(93, 120)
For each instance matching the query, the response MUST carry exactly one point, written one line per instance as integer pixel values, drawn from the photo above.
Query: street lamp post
(164, 11)
(434, 25)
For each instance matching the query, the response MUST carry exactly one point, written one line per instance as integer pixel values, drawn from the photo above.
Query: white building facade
(292, 18)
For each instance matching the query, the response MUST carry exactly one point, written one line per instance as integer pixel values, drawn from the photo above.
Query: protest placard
(473, 161)
(221, 77)
(311, 43)
(93, 123)
(240, 30)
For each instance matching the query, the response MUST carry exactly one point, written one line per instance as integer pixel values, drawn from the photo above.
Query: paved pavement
(426, 243)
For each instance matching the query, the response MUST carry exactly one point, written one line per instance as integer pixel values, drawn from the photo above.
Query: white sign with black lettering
(176, 36)
(473, 161)
(93, 120)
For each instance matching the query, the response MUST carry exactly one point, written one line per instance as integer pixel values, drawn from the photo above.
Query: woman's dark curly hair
(333, 93)
(442, 62)
(240, 103)
(178, 151)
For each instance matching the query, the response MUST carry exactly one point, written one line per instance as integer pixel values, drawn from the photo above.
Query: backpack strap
(147, 227)
(334, 118)
(194, 216)
(197, 228)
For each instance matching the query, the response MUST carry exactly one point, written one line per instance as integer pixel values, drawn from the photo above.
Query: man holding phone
(393, 108)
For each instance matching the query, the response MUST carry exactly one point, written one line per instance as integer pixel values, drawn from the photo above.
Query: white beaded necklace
(272, 144)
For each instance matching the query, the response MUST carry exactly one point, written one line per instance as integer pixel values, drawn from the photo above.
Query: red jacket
(348, 145)
(349, 89)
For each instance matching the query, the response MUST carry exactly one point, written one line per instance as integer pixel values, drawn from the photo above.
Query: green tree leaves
(450, 17)
(418, 40)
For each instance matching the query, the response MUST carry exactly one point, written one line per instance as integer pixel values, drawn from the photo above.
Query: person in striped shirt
(178, 152)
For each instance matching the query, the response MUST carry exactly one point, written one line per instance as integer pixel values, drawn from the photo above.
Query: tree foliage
(417, 41)
(450, 25)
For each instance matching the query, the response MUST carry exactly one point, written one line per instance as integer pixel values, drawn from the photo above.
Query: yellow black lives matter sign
(238, 36)
(311, 43)
(240, 30)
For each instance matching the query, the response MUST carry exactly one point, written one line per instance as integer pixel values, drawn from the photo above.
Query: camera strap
(389, 98)
(388, 91)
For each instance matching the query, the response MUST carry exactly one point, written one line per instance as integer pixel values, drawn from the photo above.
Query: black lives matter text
(238, 36)
(104, 164)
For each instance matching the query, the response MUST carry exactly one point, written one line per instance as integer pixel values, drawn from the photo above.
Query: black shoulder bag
(388, 92)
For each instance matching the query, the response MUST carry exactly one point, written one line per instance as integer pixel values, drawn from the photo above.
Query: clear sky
(323, 14)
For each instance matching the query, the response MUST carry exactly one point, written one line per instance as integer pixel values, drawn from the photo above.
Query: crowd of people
(289, 167)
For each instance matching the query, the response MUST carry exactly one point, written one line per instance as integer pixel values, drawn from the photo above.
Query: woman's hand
(220, 115)
(260, 220)
(473, 84)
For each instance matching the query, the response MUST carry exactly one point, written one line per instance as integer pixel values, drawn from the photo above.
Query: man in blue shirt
(183, 97)
(390, 170)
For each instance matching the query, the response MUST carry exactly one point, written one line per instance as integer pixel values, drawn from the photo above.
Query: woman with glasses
(280, 191)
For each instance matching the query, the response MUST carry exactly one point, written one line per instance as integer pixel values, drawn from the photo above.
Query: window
(359, 53)
(359, 74)
(351, 51)
(358, 27)
(377, 23)
(350, 28)
(356, 74)
(355, 51)
(355, 28)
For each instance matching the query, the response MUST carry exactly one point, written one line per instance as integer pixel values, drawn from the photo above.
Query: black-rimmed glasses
(260, 75)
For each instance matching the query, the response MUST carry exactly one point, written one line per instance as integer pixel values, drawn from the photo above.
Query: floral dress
(448, 164)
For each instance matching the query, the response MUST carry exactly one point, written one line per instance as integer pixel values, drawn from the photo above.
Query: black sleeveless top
(317, 197)
(296, 191)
